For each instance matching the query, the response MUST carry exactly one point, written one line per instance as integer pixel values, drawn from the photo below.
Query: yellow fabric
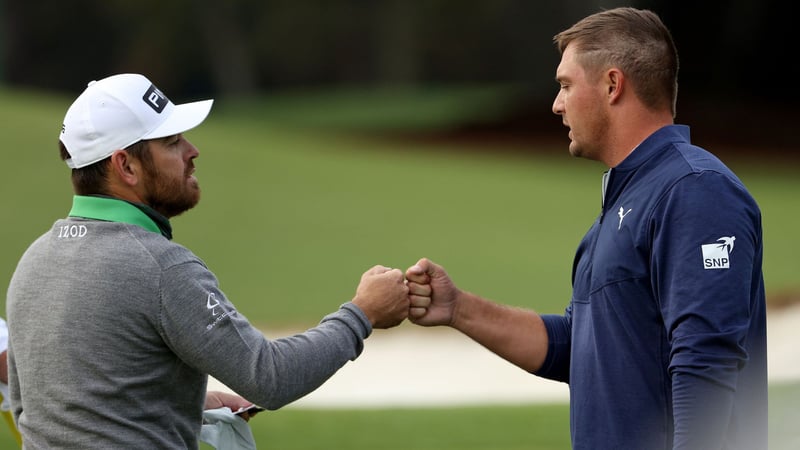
(10, 421)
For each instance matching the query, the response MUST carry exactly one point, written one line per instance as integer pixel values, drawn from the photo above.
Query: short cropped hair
(93, 179)
(633, 40)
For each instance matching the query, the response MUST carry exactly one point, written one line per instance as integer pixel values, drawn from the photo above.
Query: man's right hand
(383, 296)
(515, 334)
(432, 294)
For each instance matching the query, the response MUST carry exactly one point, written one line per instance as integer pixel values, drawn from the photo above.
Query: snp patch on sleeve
(717, 256)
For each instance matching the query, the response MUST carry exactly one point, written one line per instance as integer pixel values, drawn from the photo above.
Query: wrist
(462, 304)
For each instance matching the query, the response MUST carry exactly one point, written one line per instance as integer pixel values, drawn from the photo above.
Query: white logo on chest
(622, 213)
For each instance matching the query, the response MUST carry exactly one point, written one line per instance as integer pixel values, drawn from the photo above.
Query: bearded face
(169, 184)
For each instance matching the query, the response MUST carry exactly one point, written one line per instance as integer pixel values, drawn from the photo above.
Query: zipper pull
(606, 176)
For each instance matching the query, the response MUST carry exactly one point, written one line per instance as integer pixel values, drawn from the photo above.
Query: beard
(171, 195)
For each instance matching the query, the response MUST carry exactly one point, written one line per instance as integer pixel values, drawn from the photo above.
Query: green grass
(784, 416)
(501, 428)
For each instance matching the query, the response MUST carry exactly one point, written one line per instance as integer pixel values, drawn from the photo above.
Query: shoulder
(164, 252)
(672, 160)
(706, 176)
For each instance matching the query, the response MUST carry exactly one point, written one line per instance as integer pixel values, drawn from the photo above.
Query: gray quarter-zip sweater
(114, 330)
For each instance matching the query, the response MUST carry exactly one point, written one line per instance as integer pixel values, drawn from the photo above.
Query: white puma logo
(622, 213)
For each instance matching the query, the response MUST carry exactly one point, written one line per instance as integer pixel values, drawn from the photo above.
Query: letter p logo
(155, 99)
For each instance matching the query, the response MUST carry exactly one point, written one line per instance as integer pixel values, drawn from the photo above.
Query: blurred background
(737, 77)
(350, 133)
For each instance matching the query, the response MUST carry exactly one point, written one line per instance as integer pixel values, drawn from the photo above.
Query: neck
(634, 128)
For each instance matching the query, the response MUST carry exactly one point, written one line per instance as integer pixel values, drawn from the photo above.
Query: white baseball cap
(120, 110)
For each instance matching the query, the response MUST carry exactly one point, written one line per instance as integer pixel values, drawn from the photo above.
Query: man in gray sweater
(114, 328)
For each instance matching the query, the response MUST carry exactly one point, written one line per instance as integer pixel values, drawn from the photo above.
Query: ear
(125, 167)
(615, 80)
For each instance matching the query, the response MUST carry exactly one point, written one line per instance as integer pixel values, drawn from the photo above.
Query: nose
(558, 104)
(191, 150)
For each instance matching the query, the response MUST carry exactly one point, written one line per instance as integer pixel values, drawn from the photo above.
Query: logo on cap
(155, 99)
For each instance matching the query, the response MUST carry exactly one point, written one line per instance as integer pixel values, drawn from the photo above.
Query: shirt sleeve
(206, 331)
(559, 342)
(706, 239)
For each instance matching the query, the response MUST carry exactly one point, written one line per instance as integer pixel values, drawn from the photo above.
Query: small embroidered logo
(212, 303)
(226, 311)
(622, 213)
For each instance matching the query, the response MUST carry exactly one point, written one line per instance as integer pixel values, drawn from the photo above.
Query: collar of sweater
(111, 209)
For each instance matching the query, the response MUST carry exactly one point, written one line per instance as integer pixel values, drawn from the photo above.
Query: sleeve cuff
(355, 319)
(556, 363)
(358, 320)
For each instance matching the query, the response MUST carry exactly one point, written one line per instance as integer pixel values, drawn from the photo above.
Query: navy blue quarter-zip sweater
(664, 341)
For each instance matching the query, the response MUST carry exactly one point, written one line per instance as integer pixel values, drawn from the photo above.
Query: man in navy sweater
(663, 343)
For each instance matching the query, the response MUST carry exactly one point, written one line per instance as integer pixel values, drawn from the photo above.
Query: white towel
(5, 405)
(224, 430)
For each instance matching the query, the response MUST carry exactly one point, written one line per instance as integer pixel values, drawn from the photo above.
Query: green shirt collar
(116, 210)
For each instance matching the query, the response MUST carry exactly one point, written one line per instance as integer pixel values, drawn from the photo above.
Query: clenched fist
(383, 296)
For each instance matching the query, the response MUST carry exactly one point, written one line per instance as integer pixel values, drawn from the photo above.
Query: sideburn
(141, 151)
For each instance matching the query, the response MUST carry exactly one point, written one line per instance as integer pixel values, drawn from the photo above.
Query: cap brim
(184, 117)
